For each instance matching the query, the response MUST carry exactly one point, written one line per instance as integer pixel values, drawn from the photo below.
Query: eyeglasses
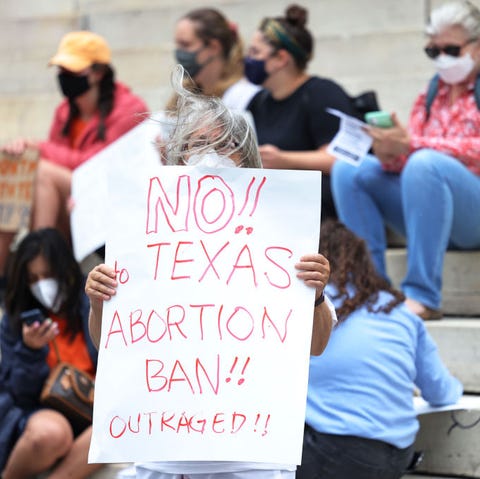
(433, 51)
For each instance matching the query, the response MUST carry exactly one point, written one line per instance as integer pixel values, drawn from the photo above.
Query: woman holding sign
(211, 135)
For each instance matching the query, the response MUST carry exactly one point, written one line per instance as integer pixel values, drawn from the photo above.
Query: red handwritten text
(213, 203)
(200, 321)
(160, 422)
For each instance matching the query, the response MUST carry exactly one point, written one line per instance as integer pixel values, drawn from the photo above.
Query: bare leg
(47, 437)
(74, 465)
(5, 241)
(52, 190)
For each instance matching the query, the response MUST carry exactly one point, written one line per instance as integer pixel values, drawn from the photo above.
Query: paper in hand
(351, 143)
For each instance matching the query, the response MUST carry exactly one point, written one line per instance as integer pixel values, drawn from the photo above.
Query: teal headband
(276, 33)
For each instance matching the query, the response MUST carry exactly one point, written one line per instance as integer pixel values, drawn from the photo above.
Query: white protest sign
(205, 347)
(133, 151)
(351, 143)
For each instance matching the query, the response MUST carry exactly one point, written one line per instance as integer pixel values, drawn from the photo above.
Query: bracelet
(320, 300)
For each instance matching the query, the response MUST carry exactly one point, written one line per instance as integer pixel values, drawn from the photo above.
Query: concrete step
(427, 476)
(450, 441)
(461, 279)
(458, 341)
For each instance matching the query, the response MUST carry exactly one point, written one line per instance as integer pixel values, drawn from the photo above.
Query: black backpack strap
(476, 92)
(432, 91)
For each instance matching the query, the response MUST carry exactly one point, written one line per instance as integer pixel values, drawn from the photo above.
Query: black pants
(329, 456)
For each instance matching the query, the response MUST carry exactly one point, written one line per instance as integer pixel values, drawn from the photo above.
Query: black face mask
(73, 85)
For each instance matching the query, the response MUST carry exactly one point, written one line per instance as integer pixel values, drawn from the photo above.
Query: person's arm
(438, 387)
(100, 286)
(24, 368)
(72, 158)
(273, 157)
(324, 318)
(314, 270)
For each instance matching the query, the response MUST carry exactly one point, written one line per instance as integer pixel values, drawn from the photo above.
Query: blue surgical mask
(255, 70)
(188, 60)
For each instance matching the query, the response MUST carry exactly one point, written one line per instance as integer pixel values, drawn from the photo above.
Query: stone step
(461, 279)
(450, 441)
(458, 341)
(427, 476)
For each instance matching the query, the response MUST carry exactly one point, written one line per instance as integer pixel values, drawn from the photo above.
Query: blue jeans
(330, 456)
(434, 202)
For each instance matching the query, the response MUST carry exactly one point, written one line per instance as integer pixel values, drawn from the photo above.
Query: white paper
(464, 403)
(205, 347)
(351, 143)
(132, 151)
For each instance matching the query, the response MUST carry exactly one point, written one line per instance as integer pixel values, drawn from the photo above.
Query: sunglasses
(433, 51)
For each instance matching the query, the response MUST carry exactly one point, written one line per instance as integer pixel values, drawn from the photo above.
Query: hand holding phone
(380, 119)
(31, 316)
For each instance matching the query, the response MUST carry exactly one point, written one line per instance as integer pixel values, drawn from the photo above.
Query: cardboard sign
(17, 176)
(205, 347)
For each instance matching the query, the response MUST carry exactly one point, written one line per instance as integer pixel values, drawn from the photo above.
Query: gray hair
(464, 13)
(202, 124)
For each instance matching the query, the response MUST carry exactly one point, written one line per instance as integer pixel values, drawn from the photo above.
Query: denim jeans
(329, 456)
(434, 202)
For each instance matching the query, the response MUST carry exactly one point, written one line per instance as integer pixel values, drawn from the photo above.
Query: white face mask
(454, 70)
(46, 291)
(212, 159)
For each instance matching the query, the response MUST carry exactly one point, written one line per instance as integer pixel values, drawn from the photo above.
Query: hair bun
(296, 15)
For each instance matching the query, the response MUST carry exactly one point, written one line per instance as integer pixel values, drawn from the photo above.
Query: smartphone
(380, 119)
(32, 315)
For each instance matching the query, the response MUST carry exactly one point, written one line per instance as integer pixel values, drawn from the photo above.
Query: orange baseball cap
(79, 50)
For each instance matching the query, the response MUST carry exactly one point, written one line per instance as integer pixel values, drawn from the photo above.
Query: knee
(48, 433)
(342, 176)
(365, 175)
(45, 172)
(422, 162)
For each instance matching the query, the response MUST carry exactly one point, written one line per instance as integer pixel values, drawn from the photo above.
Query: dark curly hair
(49, 243)
(105, 101)
(351, 267)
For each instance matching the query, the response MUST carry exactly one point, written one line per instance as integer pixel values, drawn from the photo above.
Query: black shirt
(300, 121)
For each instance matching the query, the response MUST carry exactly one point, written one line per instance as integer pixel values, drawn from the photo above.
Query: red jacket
(121, 119)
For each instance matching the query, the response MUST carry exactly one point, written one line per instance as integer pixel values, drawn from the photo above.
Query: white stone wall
(362, 44)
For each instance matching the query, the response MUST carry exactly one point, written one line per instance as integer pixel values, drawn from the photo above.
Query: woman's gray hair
(464, 13)
(202, 124)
